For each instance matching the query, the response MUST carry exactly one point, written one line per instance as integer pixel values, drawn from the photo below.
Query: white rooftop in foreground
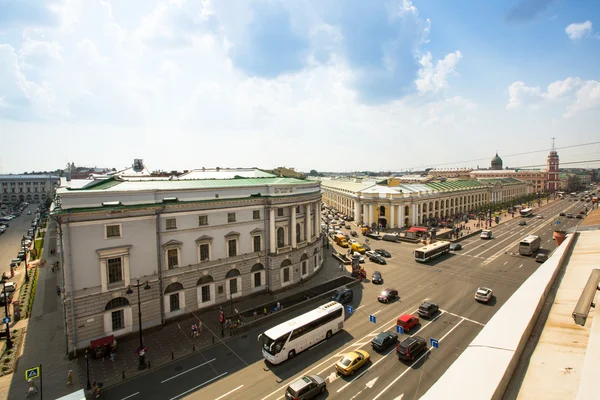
(566, 360)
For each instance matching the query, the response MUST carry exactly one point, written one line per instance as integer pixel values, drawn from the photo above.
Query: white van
(486, 234)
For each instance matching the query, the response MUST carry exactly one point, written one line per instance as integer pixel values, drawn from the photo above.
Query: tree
(314, 172)
(572, 183)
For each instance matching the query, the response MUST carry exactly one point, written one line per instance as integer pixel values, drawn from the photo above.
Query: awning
(418, 229)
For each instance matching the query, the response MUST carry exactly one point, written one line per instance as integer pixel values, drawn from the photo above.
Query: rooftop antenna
(553, 149)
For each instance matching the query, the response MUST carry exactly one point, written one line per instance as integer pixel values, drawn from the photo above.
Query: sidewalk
(174, 340)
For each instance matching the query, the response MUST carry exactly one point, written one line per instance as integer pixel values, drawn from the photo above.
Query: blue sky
(326, 85)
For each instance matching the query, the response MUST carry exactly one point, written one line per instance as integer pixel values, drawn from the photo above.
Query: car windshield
(385, 293)
(273, 346)
(345, 361)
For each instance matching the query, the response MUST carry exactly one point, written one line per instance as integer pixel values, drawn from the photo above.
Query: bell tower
(552, 180)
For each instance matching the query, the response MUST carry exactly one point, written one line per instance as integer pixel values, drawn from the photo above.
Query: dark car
(343, 296)
(5, 298)
(579, 216)
(522, 223)
(410, 348)
(388, 295)
(377, 278)
(428, 309)
(378, 259)
(366, 246)
(383, 253)
(353, 234)
(384, 340)
(455, 246)
(541, 258)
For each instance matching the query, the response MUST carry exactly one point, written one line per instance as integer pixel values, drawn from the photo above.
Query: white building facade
(406, 205)
(198, 242)
(30, 188)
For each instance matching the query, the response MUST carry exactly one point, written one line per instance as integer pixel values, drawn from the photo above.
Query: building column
(272, 232)
(364, 213)
(318, 215)
(414, 215)
(294, 242)
(392, 216)
(401, 216)
(307, 219)
(357, 207)
(370, 214)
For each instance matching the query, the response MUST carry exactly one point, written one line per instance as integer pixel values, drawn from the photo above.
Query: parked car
(11, 287)
(352, 361)
(562, 214)
(455, 246)
(427, 309)
(353, 234)
(378, 259)
(5, 298)
(410, 348)
(539, 216)
(384, 340)
(407, 321)
(569, 215)
(377, 278)
(483, 294)
(522, 223)
(388, 295)
(343, 296)
(541, 257)
(383, 253)
(307, 387)
(579, 216)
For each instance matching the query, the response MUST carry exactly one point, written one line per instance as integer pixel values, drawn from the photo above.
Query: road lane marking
(388, 353)
(316, 345)
(506, 262)
(416, 361)
(376, 312)
(336, 355)
(465, 318)
(197, 387)
(130, 396)
(520, 266)
(228, 393)
(185, 372)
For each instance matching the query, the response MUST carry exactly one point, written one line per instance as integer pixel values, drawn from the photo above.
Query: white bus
(302, 332)
(529, 245)
(426, 253)
(526, 212)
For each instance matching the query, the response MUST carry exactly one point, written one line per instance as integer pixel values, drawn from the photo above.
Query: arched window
(257, 267)
(205, 280)
(258, 276)
(280, 237)
(234, 281)
(206, 291)
(174, 287)
(118, 302)
(176, 302)
(286, 272)
(298, 233)
(232, 273)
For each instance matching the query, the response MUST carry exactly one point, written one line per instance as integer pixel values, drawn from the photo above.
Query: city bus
(529, 245)
(526, 212)
(426, 253)
(300, 333)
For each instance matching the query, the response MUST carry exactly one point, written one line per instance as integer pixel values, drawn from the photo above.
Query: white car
(370, 253)
(483, 294)
(539, 216)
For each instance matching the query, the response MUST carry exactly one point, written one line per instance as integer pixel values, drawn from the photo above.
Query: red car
(407, 322)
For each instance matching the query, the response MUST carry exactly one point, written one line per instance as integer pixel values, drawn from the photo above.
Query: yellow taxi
(351, 362)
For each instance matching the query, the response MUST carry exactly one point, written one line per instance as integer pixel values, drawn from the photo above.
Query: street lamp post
(141, 351)
(24, 247)
(87, 371)
(8, 340)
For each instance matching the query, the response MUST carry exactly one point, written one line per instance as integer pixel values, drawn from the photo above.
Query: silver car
(307, 387)
(483, 294)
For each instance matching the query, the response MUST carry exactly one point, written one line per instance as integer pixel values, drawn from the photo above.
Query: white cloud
(433, 79)
(579, 30)
(575, 93)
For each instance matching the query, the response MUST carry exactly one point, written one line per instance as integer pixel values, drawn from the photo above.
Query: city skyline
(420, 84)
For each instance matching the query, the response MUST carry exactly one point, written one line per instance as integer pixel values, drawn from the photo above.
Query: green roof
(115, 185)
(454, 185)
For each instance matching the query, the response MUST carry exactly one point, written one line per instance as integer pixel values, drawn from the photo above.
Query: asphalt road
(235, 369)
(10, 241)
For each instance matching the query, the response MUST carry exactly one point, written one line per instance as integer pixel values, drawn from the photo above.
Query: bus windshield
(419, 254)
(274, 346)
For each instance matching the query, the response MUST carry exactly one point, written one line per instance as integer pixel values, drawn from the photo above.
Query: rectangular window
(286, 275)
(118, 320)
(280, 212)
(174, 302)
(113, 231)
(204, 252)
(230, 217)
(257, 281)
(304, 268)
(232, 247)
(316, 263)
(297, 209)
(115, 270)
(256, 243)
(171, 223)
(256, 214)
(172, 258)
(205, 293)
(233, 289)
(203, 220)
(220, 289)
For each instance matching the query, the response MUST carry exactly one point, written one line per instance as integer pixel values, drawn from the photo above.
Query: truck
(341, 240)
(486, 234)
(357, 247)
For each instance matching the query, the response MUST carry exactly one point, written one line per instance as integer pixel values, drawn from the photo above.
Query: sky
(329, 85)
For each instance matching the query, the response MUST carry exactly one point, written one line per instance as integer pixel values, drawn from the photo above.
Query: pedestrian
(32, 388)
(70, 378)
(194, 330)
(255, 313)
(265, 311)
(113, 356)
(58, 290)
(199, 327)
(278, 306)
